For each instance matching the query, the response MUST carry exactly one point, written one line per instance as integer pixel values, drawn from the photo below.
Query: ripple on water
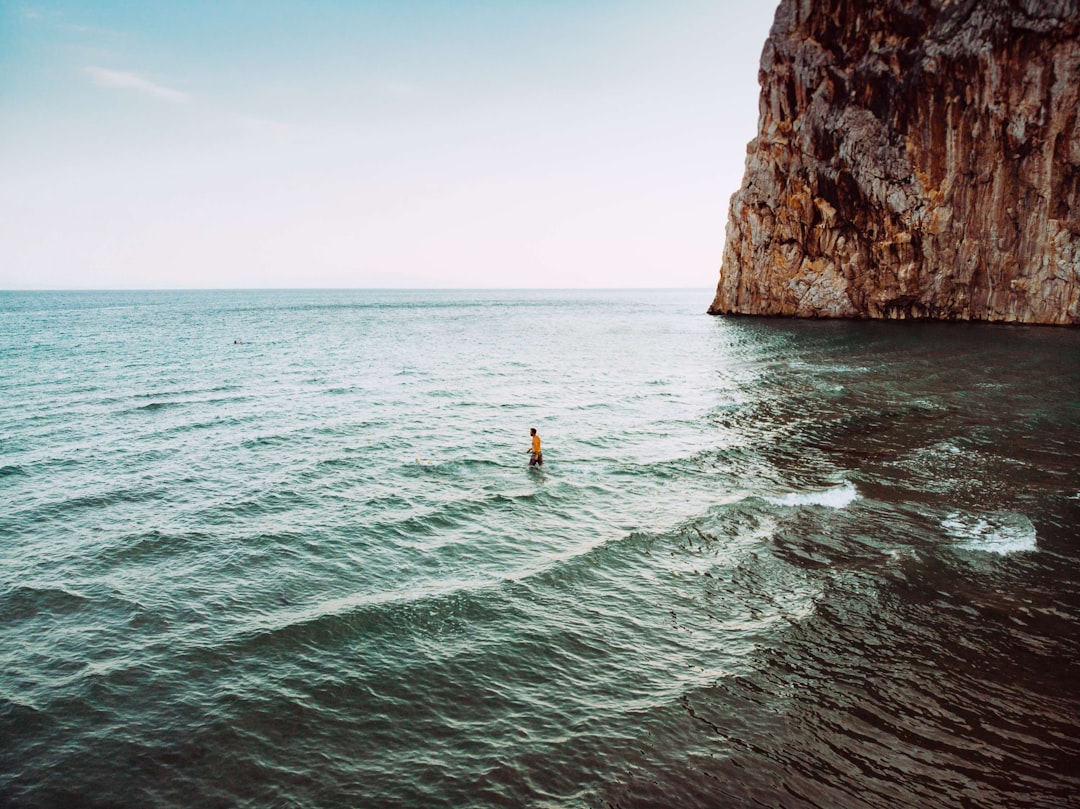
(767, 562)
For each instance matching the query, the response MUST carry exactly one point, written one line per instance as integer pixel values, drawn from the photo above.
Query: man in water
(537, 458)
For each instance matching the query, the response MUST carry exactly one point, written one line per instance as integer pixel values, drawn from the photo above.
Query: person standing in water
(537, 458)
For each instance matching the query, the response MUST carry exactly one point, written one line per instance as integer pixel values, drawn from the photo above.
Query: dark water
(767, 563)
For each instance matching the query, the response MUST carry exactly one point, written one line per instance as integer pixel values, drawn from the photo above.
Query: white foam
(1001, 532)
(839, 497)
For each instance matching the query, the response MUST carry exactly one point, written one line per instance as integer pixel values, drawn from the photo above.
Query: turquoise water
(284, 549)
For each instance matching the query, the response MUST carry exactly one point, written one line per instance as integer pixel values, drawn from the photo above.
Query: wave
(213, 422)
(478, 598)
(102, 500)
(272, 440)
(206, 403)
(485, 602)
(145, 546)
(26, 601)
(429, 608)
(433, 519)
(1002, 532)
(186, 391)
(838, 497)
(12, 470)
(420, 465)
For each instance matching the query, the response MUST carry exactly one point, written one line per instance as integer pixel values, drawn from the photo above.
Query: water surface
(283, 549)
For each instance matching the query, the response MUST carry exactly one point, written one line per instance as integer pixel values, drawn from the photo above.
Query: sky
(373, 143)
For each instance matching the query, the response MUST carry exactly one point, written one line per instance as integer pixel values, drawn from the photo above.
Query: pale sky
(398, 143)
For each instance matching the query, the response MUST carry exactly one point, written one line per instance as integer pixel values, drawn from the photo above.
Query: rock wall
(914, 159)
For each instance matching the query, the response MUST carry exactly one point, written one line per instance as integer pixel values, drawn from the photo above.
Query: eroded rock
(914, 159)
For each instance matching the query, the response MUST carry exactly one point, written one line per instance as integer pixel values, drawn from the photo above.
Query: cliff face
(914, 159)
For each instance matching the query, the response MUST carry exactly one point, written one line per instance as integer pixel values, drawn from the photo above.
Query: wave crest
(838, 497)
(1001, 532)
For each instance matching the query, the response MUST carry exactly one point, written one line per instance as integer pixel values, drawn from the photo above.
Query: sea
(285, 549)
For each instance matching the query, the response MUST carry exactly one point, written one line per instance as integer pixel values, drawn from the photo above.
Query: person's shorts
(537, 459)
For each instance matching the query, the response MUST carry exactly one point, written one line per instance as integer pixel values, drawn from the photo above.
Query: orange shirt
(536, 443)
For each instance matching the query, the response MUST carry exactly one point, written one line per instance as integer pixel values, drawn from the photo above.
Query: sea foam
(1001, 532)
(838, 497)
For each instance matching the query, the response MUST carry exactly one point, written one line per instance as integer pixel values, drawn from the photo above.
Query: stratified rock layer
(914, 159)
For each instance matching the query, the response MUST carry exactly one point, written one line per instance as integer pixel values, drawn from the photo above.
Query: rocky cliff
(914, 159)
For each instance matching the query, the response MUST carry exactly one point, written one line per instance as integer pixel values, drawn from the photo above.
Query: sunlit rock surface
(913, 160)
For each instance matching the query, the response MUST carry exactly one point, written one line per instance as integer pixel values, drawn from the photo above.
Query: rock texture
(914, 159)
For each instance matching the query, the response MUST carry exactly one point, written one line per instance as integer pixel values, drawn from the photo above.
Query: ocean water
(283, 549)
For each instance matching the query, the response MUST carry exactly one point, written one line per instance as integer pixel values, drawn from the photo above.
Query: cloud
(265, 126)
(103, 77)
